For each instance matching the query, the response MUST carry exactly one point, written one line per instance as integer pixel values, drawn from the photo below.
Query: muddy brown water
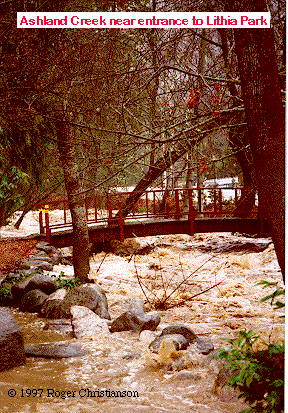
(119, 373)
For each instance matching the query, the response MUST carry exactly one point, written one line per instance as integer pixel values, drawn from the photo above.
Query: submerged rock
(61, 326)
(54, 350)
(179, 341)
(135, 319)
(204, 346)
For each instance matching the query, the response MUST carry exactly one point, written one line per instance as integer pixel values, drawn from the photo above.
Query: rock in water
(61, 326)
(51, 307)
(204, 346)
(88, 295)
(87, 324)
(32, 301)
(12, 352)
(179, 341)
(135, 319)
(54, 350)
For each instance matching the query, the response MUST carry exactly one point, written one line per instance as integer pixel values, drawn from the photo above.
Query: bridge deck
(99, 233)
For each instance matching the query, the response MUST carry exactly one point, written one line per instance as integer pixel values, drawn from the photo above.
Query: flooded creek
(119, 373)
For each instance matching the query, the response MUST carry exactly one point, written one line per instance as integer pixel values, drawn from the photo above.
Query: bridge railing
(107, 208)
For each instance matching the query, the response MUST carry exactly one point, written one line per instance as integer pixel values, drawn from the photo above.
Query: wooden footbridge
(157, 212)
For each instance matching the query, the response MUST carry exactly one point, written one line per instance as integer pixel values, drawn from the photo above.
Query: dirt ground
(12, 252)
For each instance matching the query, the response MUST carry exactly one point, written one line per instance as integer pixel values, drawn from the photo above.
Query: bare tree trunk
(265, 117)
(66, 146)
(247, 200)
(238, 138)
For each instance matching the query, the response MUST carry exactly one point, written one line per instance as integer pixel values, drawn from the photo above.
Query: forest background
(93, 109)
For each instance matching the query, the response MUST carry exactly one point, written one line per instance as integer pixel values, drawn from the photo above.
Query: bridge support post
(64, 212)
(41, 226)
(215, 201)
(86, 207)
(109, 211)
(147, 205)
(121, 224)
(95, 206)
(220, 202)
(177, 202)
(47, 228)
(191, 212)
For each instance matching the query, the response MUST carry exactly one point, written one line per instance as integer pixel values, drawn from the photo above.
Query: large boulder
(12, 352)
(88, 295)
(51, 307)
(32, 301)
(35, 281)
(87, 324)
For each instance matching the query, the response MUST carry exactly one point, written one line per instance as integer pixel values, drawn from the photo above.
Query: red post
(41, 226)
(177, 201)
(236, 197)
(95, 206)
(154, 203)
(220, 201)
(147, 205)
(47, 227)
(86, 207)
(167, 202)
(109, 211)
(134, 205)
(215, 201)
(121, 223)
(199, 200)
(64, 212)
(191, 211)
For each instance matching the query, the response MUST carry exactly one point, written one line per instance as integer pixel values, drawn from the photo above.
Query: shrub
(66, 283)
(259, 376)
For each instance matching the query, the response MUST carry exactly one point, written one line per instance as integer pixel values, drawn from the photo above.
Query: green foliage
(276, 293)
(4, 293)
(259, 375)
(10, 198)
(15, 280)
(66, 283)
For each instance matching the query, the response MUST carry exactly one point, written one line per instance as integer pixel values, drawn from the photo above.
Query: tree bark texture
(66, 146)
(265, 117)
(238, 137)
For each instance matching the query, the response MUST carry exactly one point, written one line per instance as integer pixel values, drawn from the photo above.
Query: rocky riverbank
(166, 273)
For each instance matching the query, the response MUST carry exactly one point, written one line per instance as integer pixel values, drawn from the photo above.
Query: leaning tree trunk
(172, 155)
(265, 117)
(66, 146)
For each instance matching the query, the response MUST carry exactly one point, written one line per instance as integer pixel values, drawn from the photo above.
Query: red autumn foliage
(194, 98)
